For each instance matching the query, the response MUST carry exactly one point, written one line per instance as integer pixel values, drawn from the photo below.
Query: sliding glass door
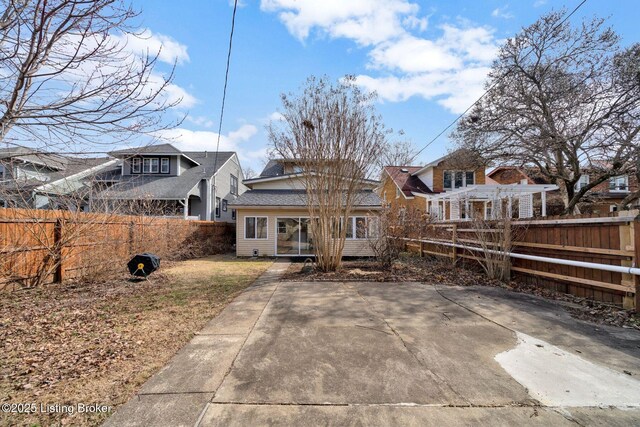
(293, 236)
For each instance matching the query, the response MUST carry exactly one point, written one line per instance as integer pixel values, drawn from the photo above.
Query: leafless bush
(496, 241)
(395, 226)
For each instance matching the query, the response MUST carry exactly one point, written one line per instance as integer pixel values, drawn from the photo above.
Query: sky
(427, 60)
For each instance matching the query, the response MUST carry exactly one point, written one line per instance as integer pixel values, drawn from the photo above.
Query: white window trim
(256, 228)
(162, 164)
(136, 161)
(353, 227)
(146, 165)
(580, 184)
(626, 183)
(234, 188)
(453, 178)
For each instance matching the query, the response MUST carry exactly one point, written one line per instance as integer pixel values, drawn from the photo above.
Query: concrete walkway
(385, 354)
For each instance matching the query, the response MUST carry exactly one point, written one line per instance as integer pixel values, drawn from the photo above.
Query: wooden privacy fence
(47, 246)
(612, 240)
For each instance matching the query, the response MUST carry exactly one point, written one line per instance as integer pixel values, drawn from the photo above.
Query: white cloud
(201, 121)
(455, 90)
(146, 42)
(539, 3)
(449, 68)
(411, 54)
(366, 22)
(502, 12)
(190, 140)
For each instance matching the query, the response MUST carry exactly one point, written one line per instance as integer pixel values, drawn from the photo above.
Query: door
(293, 237)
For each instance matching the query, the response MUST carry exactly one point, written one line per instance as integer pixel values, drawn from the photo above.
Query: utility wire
(489, 89)
(224, 95)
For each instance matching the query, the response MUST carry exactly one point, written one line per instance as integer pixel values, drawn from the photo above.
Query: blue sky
(426, 59)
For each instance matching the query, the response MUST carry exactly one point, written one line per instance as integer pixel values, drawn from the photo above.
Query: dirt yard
(96, 343)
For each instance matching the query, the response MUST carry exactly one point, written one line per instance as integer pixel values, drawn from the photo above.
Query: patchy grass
(98, 342)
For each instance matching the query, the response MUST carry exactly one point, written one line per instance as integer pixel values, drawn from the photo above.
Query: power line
(489, 89)
(224, 90)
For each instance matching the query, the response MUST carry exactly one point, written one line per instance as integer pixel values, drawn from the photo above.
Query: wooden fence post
(627, 243)
(421, 248)
(635, 229)
(132, 248)
(454, 239)
(57, 247)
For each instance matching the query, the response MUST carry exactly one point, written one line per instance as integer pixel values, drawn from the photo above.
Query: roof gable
(407, 182)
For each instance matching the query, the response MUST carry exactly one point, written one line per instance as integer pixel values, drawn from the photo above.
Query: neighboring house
(410, 187)
(604, 197)
(273, 219)
(192, 184)
(34, 179)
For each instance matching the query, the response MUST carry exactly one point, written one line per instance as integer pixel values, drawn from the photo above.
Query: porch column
(543, 197)
(185, 210)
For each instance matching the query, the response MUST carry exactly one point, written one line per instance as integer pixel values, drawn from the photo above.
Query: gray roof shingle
(165, 187)
(294, 198)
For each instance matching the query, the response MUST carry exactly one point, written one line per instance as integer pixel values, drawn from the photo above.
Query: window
(364, 227)
(447, 179)
(582, 182)
(233, 214)
(452, 180)
(469, 178)
(255, 227)
(361, 227)
(151, 165)
(397, 192)
(459, 180)
(234, 184)
(135, 165)
(217, 207)
(619, 183)
(164, 165)
(224, 205)
(613, 208)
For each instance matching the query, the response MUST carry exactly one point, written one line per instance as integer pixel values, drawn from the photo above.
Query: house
(192, 184)
(35, 179)
(410, 187)
(455, 187)
(603, 198)
(273, 219)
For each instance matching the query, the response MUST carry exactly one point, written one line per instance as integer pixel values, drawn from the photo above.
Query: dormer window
(151, 165)
(457, 179)
(297, 169)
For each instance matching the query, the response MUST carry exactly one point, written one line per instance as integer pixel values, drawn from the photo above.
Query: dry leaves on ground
(98, 342)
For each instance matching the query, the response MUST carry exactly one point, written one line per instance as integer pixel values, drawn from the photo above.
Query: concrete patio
(288, 353)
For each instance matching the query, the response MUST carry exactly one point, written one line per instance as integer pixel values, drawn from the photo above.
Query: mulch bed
(414, 269)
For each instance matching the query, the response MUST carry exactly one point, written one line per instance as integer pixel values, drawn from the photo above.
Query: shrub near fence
(612, 239)
(46, 246)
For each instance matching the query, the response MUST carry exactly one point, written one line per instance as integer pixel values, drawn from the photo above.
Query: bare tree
(397, 153)
(249, 172)
(563, 99)
(336, 136)
(68, 77)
